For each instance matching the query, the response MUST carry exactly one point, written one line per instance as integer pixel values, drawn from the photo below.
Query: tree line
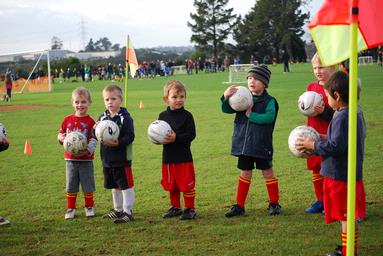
(269, 27)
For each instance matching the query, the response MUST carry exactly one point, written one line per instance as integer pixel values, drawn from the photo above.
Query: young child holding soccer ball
(177, 161)
(116, 157)
(79, 168)
(252, 140)
(334, 150)
(319, 121)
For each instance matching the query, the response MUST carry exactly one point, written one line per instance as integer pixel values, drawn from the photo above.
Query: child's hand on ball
(304, 143)
(170, 138)
(318, 109)
(111, 144)
(229, 91)
(4, 141)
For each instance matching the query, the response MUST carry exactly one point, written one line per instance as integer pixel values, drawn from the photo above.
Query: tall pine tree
(272, 26)
(212, 25)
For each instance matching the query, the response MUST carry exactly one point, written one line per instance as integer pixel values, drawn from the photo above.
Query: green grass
(32, 188)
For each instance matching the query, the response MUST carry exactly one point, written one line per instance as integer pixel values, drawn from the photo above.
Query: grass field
(32, 188)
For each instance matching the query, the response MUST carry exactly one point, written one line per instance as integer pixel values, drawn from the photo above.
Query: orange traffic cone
(27, 148)
(141, 104)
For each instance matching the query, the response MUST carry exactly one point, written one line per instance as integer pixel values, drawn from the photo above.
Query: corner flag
(131, 58)
(131, 65)
(340, 29)
(330, 28)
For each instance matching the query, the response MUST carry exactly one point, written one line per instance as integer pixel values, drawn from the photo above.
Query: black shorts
(118, 177)
(247, 163)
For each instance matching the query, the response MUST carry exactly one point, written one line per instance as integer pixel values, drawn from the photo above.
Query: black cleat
(188, 214)
(235, 210)
(274, 209)
(113, 214)
(172, 212)
(125, 217)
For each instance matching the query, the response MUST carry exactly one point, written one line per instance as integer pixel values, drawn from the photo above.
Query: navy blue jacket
(251, 138)
(121, 155)
(334, 149)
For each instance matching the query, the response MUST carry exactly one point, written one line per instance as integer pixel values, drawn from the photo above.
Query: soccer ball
(107, 131)
(241, 99)
(75, 143)
(158, 130)
(3, 131)
(302, 131)
(307, 102)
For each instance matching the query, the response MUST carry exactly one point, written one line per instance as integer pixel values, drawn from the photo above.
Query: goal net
(363, 60)
(238, 73)
(35, 72)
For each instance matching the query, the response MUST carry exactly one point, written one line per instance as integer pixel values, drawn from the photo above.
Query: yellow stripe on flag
(333, 43)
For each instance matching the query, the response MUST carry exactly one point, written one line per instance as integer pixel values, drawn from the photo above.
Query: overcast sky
(28, 25)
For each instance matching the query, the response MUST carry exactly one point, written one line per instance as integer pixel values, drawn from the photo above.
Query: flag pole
(126, 71)
(352, 124)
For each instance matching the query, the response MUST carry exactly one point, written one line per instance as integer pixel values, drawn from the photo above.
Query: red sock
(344, 242)
(272, 190)
(71, 200)
(243, 190)
(189, 198)
(89, 201)
(318, 185)
(175, 198)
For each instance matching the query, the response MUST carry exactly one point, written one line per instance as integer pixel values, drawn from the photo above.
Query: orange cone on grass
(141, 104)
(27, 148)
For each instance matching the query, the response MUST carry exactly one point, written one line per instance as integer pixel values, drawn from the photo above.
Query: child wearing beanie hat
(252, 141)
(262, 73)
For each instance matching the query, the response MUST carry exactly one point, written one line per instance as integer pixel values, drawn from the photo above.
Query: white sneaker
(89, 211)
(70, 212)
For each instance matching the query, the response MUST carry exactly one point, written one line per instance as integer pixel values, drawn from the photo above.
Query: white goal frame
(41, 52)
(364, 60)
(238, 73)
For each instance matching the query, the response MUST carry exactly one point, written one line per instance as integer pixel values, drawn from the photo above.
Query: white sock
(128, 198)
(117, 199)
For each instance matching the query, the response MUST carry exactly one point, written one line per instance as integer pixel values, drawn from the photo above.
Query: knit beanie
(261, 73)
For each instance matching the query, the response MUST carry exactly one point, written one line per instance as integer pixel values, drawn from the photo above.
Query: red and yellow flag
(131, 58)
(330, 28)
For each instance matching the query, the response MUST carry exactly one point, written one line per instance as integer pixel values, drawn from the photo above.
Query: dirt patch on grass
(20, 107)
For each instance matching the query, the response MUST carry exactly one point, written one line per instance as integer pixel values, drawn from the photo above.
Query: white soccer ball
(75, 143)
(3, 131)
(107, 131)
(158, 130)
(241, 99)
(302, 131)
(307, 102)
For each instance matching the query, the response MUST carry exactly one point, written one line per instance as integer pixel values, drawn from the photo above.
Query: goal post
(238, 73)
(364, 60)
(35, 82)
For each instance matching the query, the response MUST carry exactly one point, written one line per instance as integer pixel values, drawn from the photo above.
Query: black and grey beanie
(261, 73)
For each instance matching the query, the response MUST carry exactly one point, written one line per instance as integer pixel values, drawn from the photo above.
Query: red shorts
(335, 200)
(179, 176)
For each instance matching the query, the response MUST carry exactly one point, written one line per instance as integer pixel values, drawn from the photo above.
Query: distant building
(58, 55)
(94, 55)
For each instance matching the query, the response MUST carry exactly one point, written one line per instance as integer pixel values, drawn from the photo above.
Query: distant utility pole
(83, 34)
